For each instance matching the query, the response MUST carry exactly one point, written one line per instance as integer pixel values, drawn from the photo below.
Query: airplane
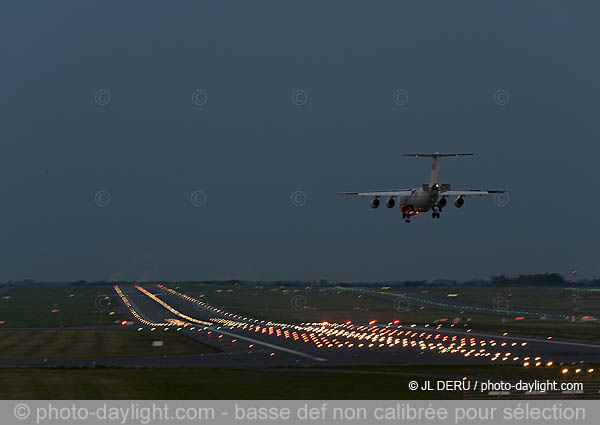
(432, 196)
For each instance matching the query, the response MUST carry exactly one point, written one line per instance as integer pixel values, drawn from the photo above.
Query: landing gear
(406, 217)
(436, 211)
(435, 214)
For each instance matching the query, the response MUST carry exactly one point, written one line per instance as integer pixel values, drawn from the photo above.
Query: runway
(249, 342)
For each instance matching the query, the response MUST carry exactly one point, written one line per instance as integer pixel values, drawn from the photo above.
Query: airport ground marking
(266, 344)
(171, 309)
(255, 341)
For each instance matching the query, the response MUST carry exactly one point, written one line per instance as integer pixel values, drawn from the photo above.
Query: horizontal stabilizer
(435, 155)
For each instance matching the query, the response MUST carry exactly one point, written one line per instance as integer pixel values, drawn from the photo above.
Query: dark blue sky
(248, 147)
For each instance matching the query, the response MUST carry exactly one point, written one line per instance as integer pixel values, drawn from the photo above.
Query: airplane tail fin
(433, 179)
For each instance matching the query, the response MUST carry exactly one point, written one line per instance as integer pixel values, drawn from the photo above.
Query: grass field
(296, 304)
(56, 306)
(551, 298)
(197, 384)
(83, 344)
(331, 383)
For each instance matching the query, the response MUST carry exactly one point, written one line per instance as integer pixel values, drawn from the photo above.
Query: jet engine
(375, 203)
(390, 203)
(459, 202)
(442, 203)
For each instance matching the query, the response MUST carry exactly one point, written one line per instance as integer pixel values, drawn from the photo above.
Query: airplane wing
(393, 192)
(470, 192)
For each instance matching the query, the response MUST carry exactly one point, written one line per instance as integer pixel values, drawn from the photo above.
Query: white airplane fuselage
(420, 201)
